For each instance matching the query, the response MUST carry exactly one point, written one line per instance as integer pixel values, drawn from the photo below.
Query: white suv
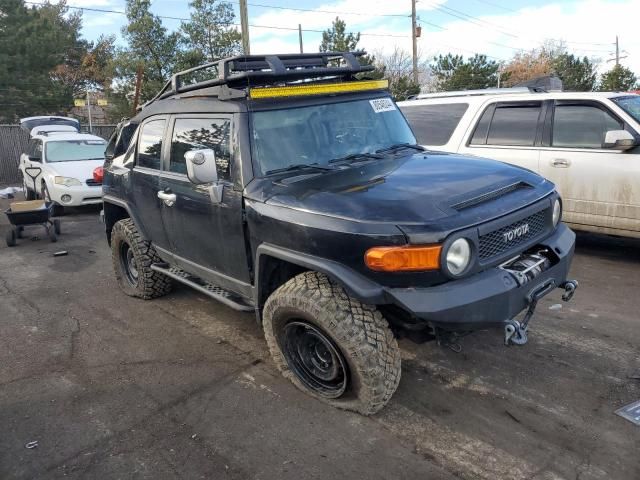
(64, 161)
(588, 144)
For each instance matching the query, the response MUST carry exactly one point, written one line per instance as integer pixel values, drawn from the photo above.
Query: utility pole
(244, 26)
(136, 96)
(617, 53)
(89, 111)
(415, 41)
(300, 37)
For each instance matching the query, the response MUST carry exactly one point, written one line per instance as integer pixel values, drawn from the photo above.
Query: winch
(528, 266)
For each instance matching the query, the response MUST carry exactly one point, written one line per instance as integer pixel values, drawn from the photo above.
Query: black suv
(290, 186)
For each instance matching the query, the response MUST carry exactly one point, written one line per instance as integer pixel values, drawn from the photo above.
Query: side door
(206, 236)
(145, 179)
(599, 187)
(510, 132)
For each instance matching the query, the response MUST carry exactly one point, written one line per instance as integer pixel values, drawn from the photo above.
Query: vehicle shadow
(608, 246)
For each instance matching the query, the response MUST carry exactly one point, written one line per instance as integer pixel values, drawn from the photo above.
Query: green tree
(150, 46)
(452, 72)
(210, 34)
(33, 42)
(618, 79)
(336, 38)
(577, 75)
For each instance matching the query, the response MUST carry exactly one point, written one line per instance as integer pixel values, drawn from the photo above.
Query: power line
(272, 27)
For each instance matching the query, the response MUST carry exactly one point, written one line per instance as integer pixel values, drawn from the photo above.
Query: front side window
(74, 150)
(317, 134)
(198, 134)
(581, 126)
(434, 124)
(150, 145)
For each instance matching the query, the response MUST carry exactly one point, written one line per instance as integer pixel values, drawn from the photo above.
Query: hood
(80, 169)
(410, 190)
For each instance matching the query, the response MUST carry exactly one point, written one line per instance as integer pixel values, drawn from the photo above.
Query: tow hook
(570, 287)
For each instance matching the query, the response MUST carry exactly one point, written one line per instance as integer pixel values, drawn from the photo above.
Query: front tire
(57, 210)
(330, 345)
(132, 258)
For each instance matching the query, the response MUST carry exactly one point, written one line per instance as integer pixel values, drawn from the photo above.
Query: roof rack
(473, 93)
(239, 71)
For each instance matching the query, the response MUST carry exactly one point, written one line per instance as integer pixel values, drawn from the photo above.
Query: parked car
(283, 186)
(586, 143)
(66, 160)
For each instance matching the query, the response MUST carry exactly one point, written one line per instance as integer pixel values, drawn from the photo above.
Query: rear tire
(11, 238)
(330, 345)
(132, 257)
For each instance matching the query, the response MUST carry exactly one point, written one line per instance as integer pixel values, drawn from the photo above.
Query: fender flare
(122, 204)
(356, 284)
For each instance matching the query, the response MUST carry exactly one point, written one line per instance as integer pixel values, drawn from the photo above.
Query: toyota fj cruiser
(290, 186)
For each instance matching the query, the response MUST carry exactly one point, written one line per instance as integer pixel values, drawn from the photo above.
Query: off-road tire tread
(151, 284)
(360, 332)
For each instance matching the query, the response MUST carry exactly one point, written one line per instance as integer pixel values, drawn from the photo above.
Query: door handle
(169, 199)
(560, 162)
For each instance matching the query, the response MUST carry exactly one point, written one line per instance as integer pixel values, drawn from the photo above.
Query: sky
(496, 28)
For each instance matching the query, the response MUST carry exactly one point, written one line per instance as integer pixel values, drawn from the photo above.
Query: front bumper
(80, 195)
(486, 299)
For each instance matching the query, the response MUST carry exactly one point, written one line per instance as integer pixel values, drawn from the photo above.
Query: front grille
(92, 183)
(496, 242)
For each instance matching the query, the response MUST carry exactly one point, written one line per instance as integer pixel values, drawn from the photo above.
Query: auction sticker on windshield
(382, 105)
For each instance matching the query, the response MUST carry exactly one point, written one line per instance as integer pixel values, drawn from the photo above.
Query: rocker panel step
(217, 293)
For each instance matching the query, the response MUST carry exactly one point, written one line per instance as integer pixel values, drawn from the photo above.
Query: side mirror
(619, 140)
(201, 166)
(35, 159)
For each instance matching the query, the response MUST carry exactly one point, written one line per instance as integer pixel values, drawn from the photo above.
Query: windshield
(317, 134)
(75, 150)
(630, 104)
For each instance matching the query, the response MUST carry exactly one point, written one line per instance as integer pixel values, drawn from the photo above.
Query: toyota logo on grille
(519, 231)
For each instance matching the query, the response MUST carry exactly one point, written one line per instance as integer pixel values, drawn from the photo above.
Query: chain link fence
(14, 141)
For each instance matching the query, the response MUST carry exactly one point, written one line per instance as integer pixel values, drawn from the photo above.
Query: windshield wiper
(399, 146)
(356, 156)
(300, 166)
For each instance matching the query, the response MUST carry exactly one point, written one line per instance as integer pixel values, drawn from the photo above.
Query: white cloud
(581, 24)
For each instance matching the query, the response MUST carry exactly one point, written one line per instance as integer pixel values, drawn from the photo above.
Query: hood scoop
(487, 196)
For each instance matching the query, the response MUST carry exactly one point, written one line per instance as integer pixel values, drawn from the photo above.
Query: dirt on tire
(359, 331)
(151, 284)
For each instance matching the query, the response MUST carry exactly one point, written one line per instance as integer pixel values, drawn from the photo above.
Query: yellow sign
(102, 102)
(79, 102)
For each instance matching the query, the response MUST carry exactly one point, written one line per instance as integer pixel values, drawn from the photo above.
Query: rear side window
(581, 126)
(198, 134)
(150, 145)
(508, 125)
(434, 124)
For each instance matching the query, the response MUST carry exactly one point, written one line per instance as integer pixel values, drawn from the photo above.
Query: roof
(475, 96)
(67, 136)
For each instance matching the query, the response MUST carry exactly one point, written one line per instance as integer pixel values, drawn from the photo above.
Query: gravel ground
(182, 387)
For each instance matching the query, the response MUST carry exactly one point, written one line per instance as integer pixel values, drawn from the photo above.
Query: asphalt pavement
(183, 387)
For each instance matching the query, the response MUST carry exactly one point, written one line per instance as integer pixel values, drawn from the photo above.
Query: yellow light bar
(318, 89)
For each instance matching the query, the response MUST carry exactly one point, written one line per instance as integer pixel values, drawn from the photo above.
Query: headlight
(458, 256)
(67, 181)
(557, 212)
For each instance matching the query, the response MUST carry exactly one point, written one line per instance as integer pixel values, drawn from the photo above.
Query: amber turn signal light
(403, 259)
